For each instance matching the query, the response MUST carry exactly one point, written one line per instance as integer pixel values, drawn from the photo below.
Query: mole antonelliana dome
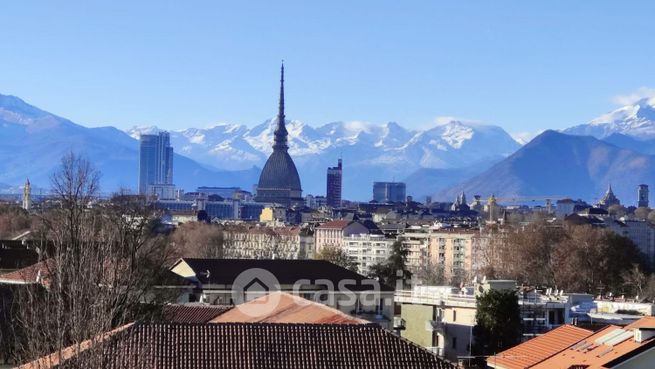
(279, 181)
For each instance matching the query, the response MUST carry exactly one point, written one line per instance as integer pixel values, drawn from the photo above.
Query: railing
(435, 325)
(413, 297)
(398, 322)
(436, 350)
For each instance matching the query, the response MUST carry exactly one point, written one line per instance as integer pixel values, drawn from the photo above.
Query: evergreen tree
(498, 322)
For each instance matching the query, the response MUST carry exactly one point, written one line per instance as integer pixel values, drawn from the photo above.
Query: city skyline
(195, 69)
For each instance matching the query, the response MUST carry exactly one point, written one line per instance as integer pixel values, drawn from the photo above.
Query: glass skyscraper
(155, 161)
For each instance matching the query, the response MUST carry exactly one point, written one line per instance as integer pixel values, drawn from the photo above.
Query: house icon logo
(256, 284)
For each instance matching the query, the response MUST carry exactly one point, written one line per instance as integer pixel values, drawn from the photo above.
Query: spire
(281, 131)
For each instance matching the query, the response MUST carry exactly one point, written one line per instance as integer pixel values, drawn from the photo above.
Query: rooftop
(286, 309)
(539, 348)
(287, 272)
(258, 345)
(192, 313)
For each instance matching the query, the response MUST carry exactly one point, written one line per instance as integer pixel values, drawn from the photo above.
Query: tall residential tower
(334, 183)
(155, 162)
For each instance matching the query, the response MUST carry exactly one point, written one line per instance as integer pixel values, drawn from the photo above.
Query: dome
(279, 172)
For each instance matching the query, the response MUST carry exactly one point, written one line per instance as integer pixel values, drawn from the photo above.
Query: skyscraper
(334, 181)
(155, 161)
(279, 181)
(385, 192)
(642, 195)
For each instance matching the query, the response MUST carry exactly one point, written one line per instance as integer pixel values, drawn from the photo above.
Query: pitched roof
(192, 313)
(287, 272)
(611, 344)
(265, 345)
(335, 224)
(285, 308)
(58, 358)
(539, 348)
(28, 274)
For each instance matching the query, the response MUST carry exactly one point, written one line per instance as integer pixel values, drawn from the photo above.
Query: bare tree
(430, 273)
(102, 267)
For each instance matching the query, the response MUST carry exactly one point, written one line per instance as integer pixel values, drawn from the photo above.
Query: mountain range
(441, 160)
(33, 141)
(370, 152)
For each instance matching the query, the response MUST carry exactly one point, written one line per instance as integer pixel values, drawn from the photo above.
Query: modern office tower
(155, 161)
(279, 182)
(386, 192)
(642, 195)
(334, 183)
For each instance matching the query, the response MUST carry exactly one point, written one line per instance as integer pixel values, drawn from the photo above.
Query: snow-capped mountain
(636, 120)
(32, 142)
(370, 151)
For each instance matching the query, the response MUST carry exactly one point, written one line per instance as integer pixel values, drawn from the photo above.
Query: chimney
(643, 334)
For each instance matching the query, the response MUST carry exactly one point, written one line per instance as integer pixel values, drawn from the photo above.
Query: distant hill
(426, 181)
(644, 146)
(554, 163)
(32, 142)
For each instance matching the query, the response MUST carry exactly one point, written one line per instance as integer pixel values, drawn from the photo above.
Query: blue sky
(524, 65)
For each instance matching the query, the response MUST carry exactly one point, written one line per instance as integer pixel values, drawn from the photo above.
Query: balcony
(436, 325)
(398, 323)
(436, 350)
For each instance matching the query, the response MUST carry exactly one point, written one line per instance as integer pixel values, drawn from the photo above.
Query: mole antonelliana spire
(279, 182)
(281, 133)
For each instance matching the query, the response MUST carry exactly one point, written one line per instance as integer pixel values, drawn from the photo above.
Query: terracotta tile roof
(55, 359)
(285, 308)
(645, 322)
(28, 274)
(335, 224)
(539, 348)
(598, 354)
(192, 313)
(287, 272)
(264, 346)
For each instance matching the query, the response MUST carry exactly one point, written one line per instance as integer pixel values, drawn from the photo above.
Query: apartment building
(367, 249)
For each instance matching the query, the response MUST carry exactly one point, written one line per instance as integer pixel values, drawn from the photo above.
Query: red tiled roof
(335, 224)
(192, 313)
(285, 308)
(55, 359)
(265, 345)
(539, 348)
(597, 354)
(28, 274)
(645, 322)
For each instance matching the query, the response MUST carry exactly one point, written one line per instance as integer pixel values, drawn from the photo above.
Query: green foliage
(394, 268)
(498, 322)
(336, 255)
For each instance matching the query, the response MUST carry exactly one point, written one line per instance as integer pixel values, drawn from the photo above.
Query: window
(454, 315)
(454, 342)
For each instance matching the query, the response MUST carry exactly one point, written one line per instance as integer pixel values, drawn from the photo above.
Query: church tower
(27, 195)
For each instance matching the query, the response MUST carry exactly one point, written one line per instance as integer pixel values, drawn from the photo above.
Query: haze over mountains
(444, 159)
